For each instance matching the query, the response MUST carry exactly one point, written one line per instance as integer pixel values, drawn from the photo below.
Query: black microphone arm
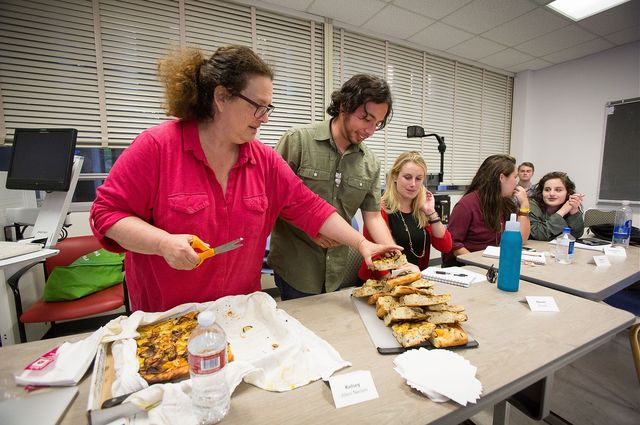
(417, 131)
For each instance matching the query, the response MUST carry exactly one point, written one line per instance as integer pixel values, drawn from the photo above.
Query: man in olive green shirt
(331, 160)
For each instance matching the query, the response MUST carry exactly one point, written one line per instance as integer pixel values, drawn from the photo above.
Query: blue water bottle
(510, 256)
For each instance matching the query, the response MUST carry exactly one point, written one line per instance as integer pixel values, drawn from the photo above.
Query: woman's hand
(429, 206)
(575, 201)
(521, 194)
(178, 253)
(369, 249)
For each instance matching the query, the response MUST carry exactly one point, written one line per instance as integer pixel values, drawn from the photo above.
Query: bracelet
(523, 214)
(524, 210)
(431, 216)
(437, 220)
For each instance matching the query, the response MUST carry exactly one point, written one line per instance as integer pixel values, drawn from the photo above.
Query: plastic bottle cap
(206, 318)
(512, 225)
(566, 230)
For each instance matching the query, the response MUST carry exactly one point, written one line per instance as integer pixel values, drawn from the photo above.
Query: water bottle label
(623, 231)
(571, 246)
(209, 363)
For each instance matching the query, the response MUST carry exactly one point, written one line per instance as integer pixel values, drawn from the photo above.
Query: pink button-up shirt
(164, 178)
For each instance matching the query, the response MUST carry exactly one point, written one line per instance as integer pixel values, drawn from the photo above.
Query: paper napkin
(440, 374)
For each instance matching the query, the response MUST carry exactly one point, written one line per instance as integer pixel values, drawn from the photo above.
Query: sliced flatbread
(370, 287)
(440, 317)
(401, 290)
(456, 308)
(389, 263)
(403, 313)
(448, 336)
(411, 334)
(419, 300)
(384, 305)
(403, 279)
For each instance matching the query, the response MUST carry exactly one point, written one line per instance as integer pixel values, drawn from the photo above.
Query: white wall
(558, 115)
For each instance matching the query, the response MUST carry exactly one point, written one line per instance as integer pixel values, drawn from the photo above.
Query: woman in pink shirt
(478, 218)
(206, 174)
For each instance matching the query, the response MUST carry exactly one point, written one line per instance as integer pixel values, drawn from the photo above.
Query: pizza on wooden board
(162, 349)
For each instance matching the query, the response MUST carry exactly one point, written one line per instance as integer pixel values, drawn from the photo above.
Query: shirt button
(327, 257)
(315, 174)
(360, 184)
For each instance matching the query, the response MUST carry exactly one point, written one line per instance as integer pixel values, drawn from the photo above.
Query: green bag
(90, 273)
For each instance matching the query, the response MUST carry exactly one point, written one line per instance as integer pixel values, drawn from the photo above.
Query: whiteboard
(620, 166)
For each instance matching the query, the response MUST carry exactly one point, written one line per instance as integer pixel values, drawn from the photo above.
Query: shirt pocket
(355, 188)
(254, 218)
(318, 180)
(188, 213)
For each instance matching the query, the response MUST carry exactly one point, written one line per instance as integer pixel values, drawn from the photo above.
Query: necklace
(424, 241)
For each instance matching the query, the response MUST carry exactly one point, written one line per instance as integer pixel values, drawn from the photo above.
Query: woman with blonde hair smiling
(408, 208)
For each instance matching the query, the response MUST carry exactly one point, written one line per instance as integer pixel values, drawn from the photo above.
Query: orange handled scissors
(204, 251)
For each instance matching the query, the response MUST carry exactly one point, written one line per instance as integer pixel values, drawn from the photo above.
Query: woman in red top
(409, 210)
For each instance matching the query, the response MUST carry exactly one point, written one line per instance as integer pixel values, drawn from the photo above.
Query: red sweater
(443, 244)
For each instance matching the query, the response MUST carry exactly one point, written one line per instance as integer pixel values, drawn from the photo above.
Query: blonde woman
(408, 208)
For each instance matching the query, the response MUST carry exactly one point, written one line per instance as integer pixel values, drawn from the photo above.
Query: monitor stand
(53, 211)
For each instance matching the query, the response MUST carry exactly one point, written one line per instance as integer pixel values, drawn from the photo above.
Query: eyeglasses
(261, 110)
(492, 274)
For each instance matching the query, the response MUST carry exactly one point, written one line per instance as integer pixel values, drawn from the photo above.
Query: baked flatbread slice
(421, 284)
(404, 278)
(419, 300)
(403, 313)
(440, 317)
(448, 336)
(370, 287)
(384, 305)
(411, 334)
(456, 308)
(373, 298)
(401, 290)
(389, 263)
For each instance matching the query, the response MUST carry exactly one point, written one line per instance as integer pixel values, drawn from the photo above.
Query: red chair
(102, 301)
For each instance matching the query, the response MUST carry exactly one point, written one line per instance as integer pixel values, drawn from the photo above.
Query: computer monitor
(42, 159)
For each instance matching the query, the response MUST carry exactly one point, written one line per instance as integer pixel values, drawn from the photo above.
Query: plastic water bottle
(207, 363)
(565, 244)
(510, 256)
(622, 226)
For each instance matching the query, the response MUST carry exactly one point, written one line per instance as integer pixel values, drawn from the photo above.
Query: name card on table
(542, 303)
(617, 251)
(601, 260)
(352, 388)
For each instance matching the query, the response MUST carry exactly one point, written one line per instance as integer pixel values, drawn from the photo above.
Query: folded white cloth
(272, 350)
(71, 362)
(439, 374)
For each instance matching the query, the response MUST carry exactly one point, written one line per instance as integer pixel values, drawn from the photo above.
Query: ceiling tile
(440, 36)
(506, 58)
(563, 38)
(525, 27)
(482, 15)
(291, 4)
(398, 22)
(621, 17)
(581, 50)
(533, 65)
(476, 48)
(354, 12)
(435, 9)
(625, 36)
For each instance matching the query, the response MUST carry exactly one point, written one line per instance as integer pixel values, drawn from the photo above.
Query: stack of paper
(448, 376)
(533, 257)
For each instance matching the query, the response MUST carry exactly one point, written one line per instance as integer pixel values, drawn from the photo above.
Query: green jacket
(348, 182)
(546, 227)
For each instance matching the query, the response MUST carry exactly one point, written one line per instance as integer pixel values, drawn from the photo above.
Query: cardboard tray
(381, 335)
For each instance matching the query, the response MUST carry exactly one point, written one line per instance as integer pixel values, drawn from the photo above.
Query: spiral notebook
(452, 275)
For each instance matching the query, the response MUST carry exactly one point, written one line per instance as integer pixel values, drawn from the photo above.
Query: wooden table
(517, 348)
(580, 278)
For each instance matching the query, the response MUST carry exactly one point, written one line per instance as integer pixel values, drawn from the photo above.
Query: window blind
(92, 65)
(48, 68)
